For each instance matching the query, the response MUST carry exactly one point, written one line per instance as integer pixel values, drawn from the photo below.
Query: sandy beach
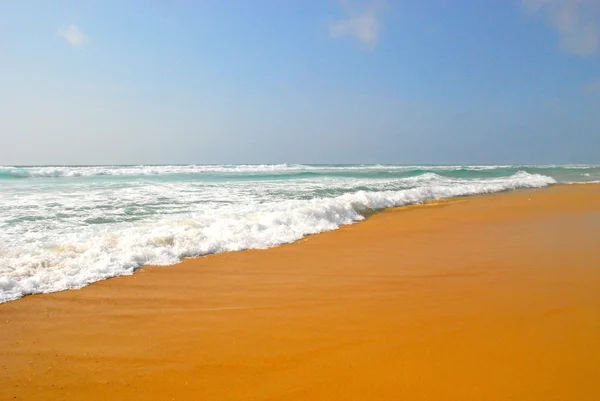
(483, 298)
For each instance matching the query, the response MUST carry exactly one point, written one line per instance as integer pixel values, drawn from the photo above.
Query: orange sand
(487, 298)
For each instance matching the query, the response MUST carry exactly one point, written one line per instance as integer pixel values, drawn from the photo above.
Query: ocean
(63, 227)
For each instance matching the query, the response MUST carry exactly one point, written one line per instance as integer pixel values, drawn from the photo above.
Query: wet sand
(486, 298)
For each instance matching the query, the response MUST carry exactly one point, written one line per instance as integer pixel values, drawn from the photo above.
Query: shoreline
(489, 297)
(366, 216)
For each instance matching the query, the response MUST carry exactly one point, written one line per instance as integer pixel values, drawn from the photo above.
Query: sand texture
(485, 298)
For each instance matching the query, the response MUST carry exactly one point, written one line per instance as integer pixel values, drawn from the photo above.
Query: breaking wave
(53, 241)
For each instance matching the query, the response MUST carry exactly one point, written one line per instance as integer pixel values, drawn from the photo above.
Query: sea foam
(65, 237)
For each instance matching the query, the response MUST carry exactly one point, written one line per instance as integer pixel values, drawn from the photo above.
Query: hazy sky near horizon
(428, 81)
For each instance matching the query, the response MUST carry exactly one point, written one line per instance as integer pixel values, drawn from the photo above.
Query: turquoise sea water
(63, 227)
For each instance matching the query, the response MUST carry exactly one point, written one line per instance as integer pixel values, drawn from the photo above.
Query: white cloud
(364, 26)
(577, 23)
(74, 36)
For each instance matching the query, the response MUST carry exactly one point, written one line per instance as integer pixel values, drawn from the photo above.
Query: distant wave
(23, 172)
(88, 171)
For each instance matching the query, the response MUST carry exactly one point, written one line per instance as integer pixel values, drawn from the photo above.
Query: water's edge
(408, 207)
(66, 227)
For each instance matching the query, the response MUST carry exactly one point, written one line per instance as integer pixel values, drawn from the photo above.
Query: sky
(406, 81)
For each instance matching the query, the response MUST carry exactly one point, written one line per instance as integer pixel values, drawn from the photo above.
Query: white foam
(58, 246)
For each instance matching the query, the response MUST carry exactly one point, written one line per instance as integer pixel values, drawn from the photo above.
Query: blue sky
(128, 82)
